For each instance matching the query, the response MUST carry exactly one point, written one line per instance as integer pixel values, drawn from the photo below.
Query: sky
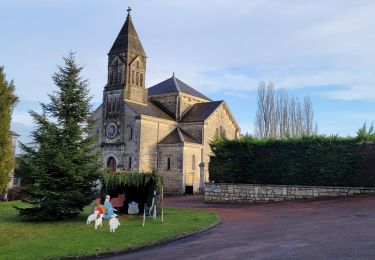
(324, 49)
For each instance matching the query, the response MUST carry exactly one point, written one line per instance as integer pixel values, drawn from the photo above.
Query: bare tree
(308, 116)
(266, 118)
(280, 115)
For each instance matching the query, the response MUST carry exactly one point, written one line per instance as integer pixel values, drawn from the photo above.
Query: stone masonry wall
(225, 192)
(191, 165)
(173, 178)
(152, 132)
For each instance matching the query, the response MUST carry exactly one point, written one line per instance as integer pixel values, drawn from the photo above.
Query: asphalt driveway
(325, 229)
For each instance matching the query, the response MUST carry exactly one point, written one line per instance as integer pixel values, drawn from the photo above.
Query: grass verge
(49, 240)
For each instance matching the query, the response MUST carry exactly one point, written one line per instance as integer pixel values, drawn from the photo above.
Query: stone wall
(151, 133)
(130, 136)
(225, 192)
(191, 165)
(173, 178)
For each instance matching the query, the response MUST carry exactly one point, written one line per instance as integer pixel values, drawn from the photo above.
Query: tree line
(281, 115)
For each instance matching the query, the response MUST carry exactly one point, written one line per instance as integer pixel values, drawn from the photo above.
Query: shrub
(316, 161)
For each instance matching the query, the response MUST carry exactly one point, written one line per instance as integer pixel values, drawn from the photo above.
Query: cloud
(319, 44)
(220, 46)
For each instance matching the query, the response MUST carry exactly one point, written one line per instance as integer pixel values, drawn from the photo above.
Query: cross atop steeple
(127, 39)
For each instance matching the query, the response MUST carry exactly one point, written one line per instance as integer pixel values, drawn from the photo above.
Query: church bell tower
(127, 64)
(125, 83)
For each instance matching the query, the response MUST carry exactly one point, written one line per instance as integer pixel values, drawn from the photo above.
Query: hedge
(311, 161)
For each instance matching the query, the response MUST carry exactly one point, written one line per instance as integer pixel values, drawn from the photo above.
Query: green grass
(33, 240)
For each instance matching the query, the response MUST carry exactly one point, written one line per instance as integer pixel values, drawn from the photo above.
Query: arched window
(119, 73)
(136, 78)
(131, 133)
(109, 105)
(130, 163)
(110, 77)
(117, 104)
(112, 105)
(111, 164)
(217, 133)
(137, 64)
(193, 162)
(115, 72)
(222, 132)
(141, 79)
(168, 163)
(133, 76)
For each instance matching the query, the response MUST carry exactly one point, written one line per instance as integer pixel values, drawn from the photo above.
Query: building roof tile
(173, 85)
(200, 112)
(178, 136)
(127, 39)
(150, 110)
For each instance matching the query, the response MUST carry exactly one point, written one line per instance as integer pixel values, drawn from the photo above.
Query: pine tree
(7, 102)
(64, 167)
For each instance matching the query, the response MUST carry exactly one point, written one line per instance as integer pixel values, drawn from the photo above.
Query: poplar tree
(280, 115)
(7, 102)
(63, 166)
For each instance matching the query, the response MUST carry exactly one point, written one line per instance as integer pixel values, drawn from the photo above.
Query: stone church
(166, 128)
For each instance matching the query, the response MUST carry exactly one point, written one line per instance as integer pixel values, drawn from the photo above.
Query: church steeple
(127, 64)
(127, 39)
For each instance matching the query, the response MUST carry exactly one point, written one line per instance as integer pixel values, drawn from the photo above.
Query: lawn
(33, 240)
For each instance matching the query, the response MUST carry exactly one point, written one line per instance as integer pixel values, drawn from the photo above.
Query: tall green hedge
(316, 161)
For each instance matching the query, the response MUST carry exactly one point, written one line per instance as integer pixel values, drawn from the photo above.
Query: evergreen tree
(64, 167)
(364, 134)
(7, 102)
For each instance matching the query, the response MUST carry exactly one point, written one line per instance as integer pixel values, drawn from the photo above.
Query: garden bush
(311, 161)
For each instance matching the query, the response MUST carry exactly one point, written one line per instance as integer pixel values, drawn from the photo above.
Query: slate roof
(127, 39)
(150, 110)
(172, 85)
(200, 112)
(178, 136)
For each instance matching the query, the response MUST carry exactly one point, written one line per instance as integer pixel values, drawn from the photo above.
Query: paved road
(327, 229)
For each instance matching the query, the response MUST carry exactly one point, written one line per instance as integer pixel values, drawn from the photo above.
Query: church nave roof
(150, 110)
(178, 136)
(200, 112)
(173, 85)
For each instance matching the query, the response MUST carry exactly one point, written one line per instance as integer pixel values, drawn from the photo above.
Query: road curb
(153, 244)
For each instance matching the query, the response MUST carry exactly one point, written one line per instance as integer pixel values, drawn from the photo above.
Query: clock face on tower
(111, 130)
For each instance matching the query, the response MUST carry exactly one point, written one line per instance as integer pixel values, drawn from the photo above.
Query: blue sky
(325, 49)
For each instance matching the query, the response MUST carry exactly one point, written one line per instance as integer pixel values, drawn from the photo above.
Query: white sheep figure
(92, 217)
(113, 223)
(99, 221)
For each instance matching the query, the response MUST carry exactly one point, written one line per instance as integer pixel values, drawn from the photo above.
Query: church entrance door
(111, 164)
